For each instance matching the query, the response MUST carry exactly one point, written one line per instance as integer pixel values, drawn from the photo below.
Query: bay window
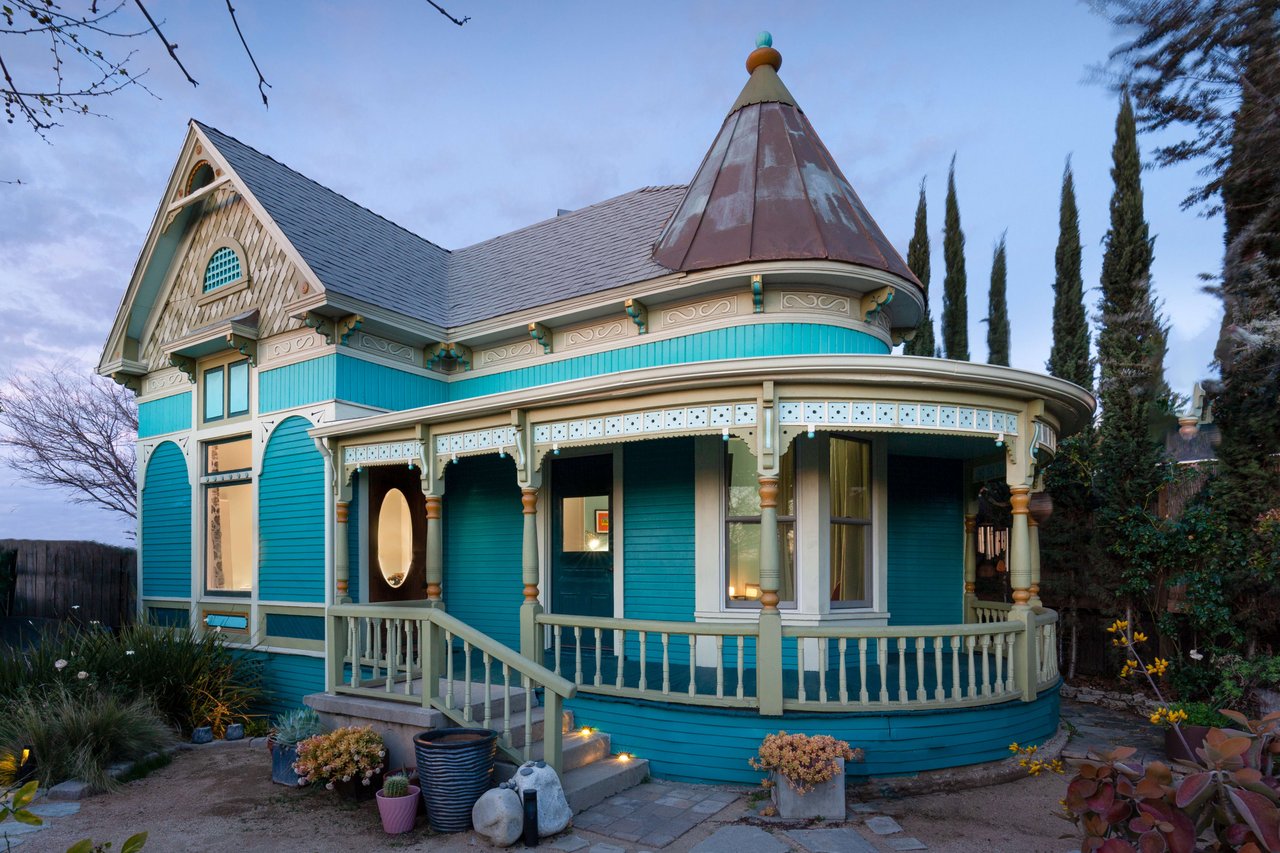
(742, 536)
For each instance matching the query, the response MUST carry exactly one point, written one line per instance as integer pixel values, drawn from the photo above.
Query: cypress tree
(1069, 356)
(998, 309)
(918, 261)
(955, 308)
(1131, 384)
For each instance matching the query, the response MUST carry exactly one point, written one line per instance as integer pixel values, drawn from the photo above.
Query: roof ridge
(392, 223)
(572, 213)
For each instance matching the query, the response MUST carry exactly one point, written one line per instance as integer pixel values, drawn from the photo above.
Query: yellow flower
(1013, 747)
(1158, 666)
(1139, 637)
(1155, 718)
(1117, 626)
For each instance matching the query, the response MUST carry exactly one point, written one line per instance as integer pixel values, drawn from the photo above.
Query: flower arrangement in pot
(348, 760)
(398, 804)
(290, 729)
(813, 769)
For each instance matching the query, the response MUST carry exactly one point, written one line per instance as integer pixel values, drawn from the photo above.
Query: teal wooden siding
(658, 537)
(696, 744)
(355, 572)
(286, 679)
(484, 530)
(298, 384)
(749, 341)
(166, 525)
(169, 617)
(168, 414)
(926, 541)
(291, 516)
(295, 626)
(371, 384)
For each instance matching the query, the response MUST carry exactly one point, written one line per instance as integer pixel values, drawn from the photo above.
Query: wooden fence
(71, 581)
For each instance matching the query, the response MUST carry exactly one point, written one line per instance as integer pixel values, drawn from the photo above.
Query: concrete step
(596, 782)
(579, 751)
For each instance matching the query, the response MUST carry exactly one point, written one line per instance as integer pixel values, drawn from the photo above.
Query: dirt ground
(220, 800)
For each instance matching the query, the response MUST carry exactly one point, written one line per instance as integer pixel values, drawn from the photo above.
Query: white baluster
(902, 668)
(528, 718)
(955, 669)
(1011, 685)
(353, 648)
(921, 695)
(939, 692)
(621, 654)
(720, 667)
(844, 686)
(692, 645)
(999, 652)
(644, 682)
(555, 631)
(448, 670)
(577, 655)
(822, 670)
(800, 668)
(599, 652)
(506, 705)
(666, 666)
(466, 654)
(973, 685)
(986, 665)
(882, 660)
(863, 696)
(488, 693)
(741, 646)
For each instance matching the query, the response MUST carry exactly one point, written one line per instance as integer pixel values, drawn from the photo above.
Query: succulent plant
(293, 727)
(395, 786)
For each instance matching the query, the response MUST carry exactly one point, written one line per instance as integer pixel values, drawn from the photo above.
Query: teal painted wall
(286, 679)
(658, 529)
(744, 341)
(926, 541)
(370, 384)
(166, 525)
(298, 384)
(697, 744)
(291, 513)
(484, 531)
(168, 414)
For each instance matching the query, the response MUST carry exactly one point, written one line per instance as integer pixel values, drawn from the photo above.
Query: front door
(397, 535)
(581, 542)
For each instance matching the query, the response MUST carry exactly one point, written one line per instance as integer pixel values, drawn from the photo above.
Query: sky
(463, 133)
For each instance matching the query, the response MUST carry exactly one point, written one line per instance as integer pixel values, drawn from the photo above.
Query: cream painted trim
(292, 347)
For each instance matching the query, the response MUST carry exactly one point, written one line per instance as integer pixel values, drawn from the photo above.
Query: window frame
(726, 483)
(224, 369)
(868, 524)
(223, 479)
(204, 297)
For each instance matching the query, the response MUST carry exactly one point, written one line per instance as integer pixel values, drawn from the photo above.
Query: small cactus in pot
(398, 804)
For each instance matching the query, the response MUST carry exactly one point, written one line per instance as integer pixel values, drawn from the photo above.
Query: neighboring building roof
(768, 189)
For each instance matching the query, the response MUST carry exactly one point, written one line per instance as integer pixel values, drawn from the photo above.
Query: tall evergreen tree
(1069, 356)
(955, 306)
(1131, 384)
(918, 261)
(998, 308)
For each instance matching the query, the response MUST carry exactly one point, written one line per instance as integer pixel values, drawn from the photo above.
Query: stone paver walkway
(654, 814)
(13, 834)
(1095, 729)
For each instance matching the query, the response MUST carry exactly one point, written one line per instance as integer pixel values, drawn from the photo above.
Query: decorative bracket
(542, 335)
(458, 353)
(185, 364)
(347, 326)
(900, 335)
(757, 294)
(244, 346)
(321, 324)
(874, 301)
(340, 329)
(638, 313)
(128, 380)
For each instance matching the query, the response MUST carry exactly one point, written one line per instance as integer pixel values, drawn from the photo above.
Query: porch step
(586, 786)
(579, 751)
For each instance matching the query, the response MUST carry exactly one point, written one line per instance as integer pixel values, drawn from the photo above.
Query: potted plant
(806, 774)
(398, 804)
(1195, 719)
(290, 729)
(348, 760)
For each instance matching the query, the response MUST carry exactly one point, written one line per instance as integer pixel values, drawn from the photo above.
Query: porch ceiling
(941, 446)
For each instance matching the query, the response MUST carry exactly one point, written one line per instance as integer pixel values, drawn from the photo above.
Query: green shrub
(1201, 714)
(80, 733)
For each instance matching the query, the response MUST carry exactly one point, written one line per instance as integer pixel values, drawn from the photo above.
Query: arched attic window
(201, 176)
(224, 268)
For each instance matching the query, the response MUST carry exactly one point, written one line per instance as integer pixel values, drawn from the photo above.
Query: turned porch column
(769, 643)
(530, 635)
(435, 548)
(341, 563)
(1033, 547)
(970, 565)
(1020, 546)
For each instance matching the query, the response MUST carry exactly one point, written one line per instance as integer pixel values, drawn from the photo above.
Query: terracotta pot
(1173, 747)
(399, 813)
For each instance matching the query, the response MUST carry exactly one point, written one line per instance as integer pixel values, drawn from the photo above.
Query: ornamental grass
(805, 761)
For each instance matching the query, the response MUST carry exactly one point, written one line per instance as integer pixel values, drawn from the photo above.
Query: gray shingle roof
(359, 254)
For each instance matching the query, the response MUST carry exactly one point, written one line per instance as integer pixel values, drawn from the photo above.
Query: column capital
(970, 523)
(529, 500)
(768, 491)
(341, 511)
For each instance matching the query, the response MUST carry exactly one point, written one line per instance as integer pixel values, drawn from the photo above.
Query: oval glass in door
(395, 538)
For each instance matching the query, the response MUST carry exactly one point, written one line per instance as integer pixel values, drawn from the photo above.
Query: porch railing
(406, 652)
(990, 611)
(1046, 626)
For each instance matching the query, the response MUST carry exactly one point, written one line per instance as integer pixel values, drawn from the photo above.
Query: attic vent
(201, 176)
(560, 211)
(223, 268)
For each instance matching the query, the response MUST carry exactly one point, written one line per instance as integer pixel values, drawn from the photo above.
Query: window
(223, 268)
(395, 538)
(226, 391)
(228, 516)
(742, 504)
(201, 176)
(850, 485)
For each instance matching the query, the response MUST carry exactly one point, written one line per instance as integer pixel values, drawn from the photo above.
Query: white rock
(499, 816)
(554, 813)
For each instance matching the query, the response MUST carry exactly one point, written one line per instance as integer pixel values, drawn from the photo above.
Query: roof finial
(764, 54)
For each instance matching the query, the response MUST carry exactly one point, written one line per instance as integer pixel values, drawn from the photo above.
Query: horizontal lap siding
(687, 743)
(658, 538)
(168, 414)
(166, 525)
(286, 679)
(370, 384)
(483, 546)
(743, 341)
(926, 541)
(291, 516)
(298, 384)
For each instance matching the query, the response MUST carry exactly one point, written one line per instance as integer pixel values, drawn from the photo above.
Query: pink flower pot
(399, 813)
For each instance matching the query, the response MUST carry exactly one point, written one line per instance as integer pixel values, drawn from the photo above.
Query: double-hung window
(850, 522)
(227, 483)
(742, 503)
(226, 391)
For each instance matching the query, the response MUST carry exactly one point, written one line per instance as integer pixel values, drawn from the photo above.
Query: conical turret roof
(769, 190)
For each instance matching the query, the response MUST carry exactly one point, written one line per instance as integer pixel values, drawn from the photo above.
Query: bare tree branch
(262, 81)
(168, 45)
(441, 10)
(72, 432)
